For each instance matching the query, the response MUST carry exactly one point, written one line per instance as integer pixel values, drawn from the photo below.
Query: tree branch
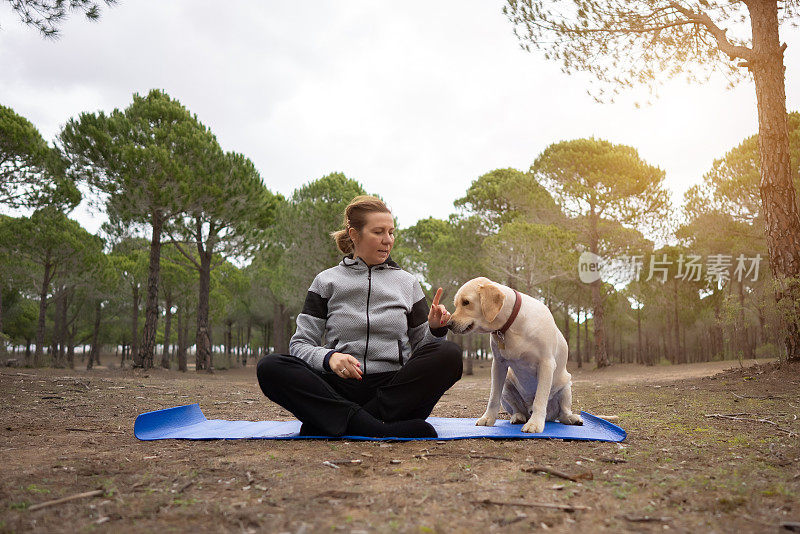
(180, 249)
(628, 30)
(718, 33)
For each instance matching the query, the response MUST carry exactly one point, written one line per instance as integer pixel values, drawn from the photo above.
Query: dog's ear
(491, 301)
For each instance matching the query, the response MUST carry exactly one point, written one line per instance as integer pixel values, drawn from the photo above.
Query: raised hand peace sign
(438, 316)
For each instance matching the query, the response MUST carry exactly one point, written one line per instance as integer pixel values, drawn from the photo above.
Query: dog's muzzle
(452, 327)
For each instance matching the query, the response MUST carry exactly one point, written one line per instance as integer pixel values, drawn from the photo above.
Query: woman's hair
(355, 216)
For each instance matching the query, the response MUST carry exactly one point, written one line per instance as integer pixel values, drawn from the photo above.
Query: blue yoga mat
(188, 422)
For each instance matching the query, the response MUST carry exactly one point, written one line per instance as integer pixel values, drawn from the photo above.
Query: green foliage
(524, 229)
(47, 15)
(55, 248)
(48, 237)
(176, 277)
(144, 159)
(731, 186)
(502, 195)
(299, 244)
(128, 259)
(415, 246)
(443, 253)
(19, 319)
(227, 210)
(729, 202)
(31, 172)
(156, 164)
(529, 255)
(229, 296)
(33, 488)
(636, 42)
(623, 43)
(597, 178)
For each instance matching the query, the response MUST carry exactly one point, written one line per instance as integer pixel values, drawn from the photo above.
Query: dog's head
(477, 304)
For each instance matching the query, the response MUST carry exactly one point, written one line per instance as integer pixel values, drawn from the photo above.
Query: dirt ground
(67, 432)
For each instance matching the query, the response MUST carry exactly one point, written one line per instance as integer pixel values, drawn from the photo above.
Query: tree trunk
(2, 337)
(203, 358)
(37, 355)
(237, 348)
(247, 347)
(744, 337)
(471, 354)
(179, 316)
(279, 329)
(144, 358)
(55, 361)
(264, 329)
(566, 328)
(777, 190)
(95, 352)
(639, 355)
(167, 332)
(183, 324)
(670, 341)
(70, 339)
(680, 357)
(600, 345)
(239, 342)
(228, 341)
(62, 330)
(600, 348)
(135, 325)
(578, 339)
(586, 344)
(685, 350)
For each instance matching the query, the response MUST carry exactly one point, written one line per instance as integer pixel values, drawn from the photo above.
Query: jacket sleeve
(419, 332)
(306, 343)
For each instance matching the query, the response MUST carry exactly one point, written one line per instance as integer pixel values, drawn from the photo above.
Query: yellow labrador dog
(529, 369)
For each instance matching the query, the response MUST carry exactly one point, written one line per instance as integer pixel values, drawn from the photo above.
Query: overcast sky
(413, 99)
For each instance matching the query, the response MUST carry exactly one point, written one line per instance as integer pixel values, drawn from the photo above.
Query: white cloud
(414, 99)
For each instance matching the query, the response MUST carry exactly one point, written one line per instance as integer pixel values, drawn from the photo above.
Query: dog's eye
(465, 302)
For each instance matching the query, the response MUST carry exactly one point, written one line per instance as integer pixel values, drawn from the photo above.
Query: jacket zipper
(369, 292)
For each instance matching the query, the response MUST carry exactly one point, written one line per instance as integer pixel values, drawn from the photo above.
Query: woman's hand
(345, 365)
(438, 316)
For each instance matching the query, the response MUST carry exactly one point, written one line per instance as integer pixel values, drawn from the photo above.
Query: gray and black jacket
(377, 314)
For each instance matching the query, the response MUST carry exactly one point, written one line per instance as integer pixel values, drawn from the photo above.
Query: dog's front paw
(486, 420)
(518, 419)
(572, 419)
(534, 426)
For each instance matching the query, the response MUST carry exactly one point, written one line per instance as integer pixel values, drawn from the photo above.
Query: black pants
(326, 401)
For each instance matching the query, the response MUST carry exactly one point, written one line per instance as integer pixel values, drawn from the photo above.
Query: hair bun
(355, 216)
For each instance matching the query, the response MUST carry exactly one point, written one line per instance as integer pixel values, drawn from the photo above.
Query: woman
(369, 358)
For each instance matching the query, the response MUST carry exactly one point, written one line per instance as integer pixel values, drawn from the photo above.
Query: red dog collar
(517, 305)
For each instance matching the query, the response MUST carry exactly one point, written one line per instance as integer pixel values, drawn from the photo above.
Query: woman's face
(374, 242)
